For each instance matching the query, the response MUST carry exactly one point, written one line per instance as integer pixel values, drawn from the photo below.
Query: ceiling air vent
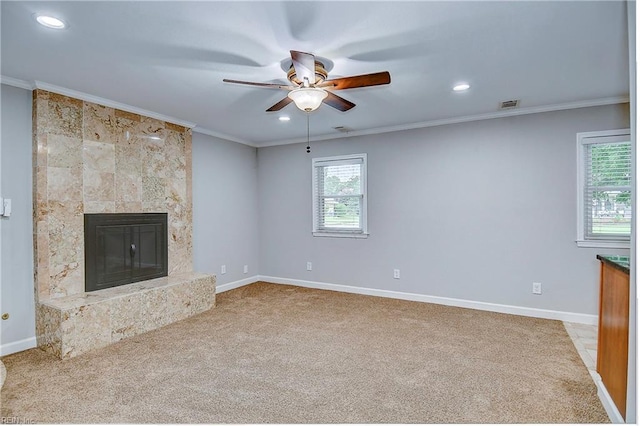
(343, 129)
(509, 104)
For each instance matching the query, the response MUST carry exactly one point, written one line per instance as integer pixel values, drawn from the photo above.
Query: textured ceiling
(170, 58)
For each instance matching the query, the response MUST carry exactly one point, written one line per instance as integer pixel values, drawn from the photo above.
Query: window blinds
(339, 195)
(607, 190)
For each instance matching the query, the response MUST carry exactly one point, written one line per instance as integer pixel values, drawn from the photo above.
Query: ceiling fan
(310, 88)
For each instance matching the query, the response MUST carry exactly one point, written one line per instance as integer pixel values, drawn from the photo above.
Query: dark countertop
(619, 262)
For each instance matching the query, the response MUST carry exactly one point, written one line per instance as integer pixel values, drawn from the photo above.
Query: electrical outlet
(396, 274)
(309, 266)
(537, 288)
(246, 268)
(223, 269)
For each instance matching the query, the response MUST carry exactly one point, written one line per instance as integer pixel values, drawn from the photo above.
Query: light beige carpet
(282, 354)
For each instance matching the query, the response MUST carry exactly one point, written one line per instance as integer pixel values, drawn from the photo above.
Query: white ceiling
(170, 58)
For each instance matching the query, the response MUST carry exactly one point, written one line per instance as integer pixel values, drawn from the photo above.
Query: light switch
(6, 207)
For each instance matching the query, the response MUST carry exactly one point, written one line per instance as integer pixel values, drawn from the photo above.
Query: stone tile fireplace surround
(90, 158)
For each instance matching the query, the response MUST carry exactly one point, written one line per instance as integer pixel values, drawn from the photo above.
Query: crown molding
(378, 130)
(109, 103)
(456, 120)
(10, 81)
(219, 135)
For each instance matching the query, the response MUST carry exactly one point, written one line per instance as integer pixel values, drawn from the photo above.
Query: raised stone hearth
(76, 324)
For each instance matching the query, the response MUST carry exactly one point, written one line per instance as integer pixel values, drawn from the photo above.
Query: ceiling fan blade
(305, 66)
(269, 85)
(337, 102)
(365, 80)
(283, 103)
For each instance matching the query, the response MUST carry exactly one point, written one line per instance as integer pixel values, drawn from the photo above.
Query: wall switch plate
(246, 268)
(5, 207)
(396, 274)
(223, 269)
(537, 288)
(309, 266)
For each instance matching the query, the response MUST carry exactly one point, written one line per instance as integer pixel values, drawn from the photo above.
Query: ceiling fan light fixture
(307, 98)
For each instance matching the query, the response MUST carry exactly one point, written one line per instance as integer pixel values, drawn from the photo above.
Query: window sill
(603, 244)
(340, 235)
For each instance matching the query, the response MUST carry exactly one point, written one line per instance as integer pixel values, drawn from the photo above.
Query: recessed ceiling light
(51, 22)
(284, 118)
(461, 87)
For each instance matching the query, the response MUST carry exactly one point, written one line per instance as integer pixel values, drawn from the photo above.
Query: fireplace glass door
(124, 248)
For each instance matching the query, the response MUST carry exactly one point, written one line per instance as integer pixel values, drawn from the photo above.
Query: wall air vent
(343, 129)
(509, 104)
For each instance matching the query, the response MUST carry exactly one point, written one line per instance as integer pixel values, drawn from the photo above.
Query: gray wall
(475, 211)
(16, 291)
(433, 212)
(225, 208)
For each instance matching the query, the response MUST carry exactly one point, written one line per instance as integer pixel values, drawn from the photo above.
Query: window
(340, 196)
(604, 189)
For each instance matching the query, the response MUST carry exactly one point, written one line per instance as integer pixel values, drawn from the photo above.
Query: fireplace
(123, 248)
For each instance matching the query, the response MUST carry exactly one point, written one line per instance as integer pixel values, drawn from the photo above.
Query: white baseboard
(235, 284)
(461, 303)
(19, 346)
(607, 402)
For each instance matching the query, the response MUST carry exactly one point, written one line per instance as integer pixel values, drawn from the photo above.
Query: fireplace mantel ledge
(86, 299)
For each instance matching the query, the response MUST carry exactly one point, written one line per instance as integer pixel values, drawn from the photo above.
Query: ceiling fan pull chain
(308, 143)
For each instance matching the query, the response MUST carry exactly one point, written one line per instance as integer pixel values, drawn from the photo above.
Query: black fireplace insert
(123, 248)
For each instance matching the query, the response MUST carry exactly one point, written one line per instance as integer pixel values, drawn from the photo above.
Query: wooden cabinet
(613, 329)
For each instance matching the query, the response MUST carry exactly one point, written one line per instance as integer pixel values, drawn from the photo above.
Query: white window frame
(588, 138)
(333, 232)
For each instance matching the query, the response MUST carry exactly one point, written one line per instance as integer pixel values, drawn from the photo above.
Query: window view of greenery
(341, 196)
(609, 189)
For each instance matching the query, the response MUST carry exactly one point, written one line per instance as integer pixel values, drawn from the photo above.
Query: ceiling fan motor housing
(321, 74)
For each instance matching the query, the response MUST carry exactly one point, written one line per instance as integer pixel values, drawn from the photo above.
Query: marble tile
(40, 189)
(153, 189)
(129, 207)
(204, 295)
(63, 151)
(129, 187)
(153, 157)
(48, 333)
(98, 186)
(156, 206)
(128, 159)
(66, 248)
(99, 156)
(64, 116)
(175, 127)
(155, 309)
(127, 316)
(177, 192)
(64, 184)
(88, 327)
(149, 127)
(175, 156)
(42, 271)
(100, 207)
(100, 123)
(128, 118)
(179, 301)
